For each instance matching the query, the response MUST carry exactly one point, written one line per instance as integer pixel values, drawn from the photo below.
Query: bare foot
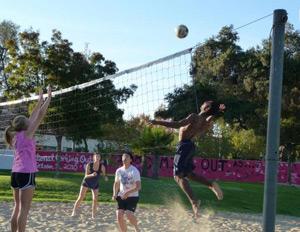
(217, 190)
(196, 206)
(73, 214)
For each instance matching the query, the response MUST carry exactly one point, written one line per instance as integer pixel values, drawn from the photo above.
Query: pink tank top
(25, 154)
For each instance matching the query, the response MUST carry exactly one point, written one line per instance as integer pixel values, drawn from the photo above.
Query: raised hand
(222, 107)
(49, 91)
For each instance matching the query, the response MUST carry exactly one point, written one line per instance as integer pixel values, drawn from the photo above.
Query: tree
(79, 114)
(240, 79)
(290, 124)
(8, 34)
(154, 141)
(83, 113)
(216, 142)
(90, 117)
(247, 145)
(25, 67)
(182, 101)
(128, 135)
(218, 67)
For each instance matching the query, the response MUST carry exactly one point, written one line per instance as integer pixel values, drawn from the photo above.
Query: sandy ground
(56, 217)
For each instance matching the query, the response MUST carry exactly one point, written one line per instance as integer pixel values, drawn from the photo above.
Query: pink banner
(69, 161)
(226, 170)
(236, 170)
(296, 173)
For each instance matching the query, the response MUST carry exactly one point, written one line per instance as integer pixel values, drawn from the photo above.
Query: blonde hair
(19, 123)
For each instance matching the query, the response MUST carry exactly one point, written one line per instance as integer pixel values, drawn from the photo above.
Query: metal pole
(273, 132)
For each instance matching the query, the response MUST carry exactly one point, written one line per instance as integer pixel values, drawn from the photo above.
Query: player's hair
(214, 108)
(18, 124)
(130, 154)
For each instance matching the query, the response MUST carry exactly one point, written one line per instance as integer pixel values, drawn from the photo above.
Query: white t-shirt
(128, 178)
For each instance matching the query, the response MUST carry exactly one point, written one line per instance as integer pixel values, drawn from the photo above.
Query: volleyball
(181, 31)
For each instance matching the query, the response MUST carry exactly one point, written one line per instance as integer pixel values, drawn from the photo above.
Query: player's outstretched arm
(175, 124)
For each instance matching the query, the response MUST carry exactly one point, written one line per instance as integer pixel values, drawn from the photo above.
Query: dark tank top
(92, 182)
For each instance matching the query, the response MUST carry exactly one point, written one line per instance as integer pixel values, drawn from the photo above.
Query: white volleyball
(181, 31)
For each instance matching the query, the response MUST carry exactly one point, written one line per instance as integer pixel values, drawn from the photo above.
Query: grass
(238, 197)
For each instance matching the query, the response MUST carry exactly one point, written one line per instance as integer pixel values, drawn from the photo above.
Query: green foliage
(8, 35)
(216, 143)
(247, 145)
(240, 79)
(78, 114)
(228, 142)
(182, 101)
(24, 68)
(154, 140)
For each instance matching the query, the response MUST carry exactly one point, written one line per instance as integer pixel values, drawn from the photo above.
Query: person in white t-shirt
(126, 192)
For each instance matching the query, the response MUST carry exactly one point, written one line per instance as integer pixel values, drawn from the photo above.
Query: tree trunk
(155, 167)
(290, 163)
(144, 166)
(289, 171)
(73, 145)
(86, 148)
(58, 153)
(290, 150)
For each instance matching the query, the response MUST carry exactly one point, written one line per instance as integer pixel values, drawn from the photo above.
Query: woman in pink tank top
(20, 137)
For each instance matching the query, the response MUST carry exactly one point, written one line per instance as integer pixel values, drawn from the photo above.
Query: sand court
(51, 216)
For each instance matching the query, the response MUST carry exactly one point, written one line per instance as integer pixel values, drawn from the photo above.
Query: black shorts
(90, 186)
(22, 181)
(183, 159)
(128, 204)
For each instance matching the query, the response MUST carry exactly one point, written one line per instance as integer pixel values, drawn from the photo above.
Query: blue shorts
(183, 159)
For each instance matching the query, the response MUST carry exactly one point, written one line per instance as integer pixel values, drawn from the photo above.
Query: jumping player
(193, 125)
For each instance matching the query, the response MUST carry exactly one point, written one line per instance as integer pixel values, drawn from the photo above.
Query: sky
(135, 32)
